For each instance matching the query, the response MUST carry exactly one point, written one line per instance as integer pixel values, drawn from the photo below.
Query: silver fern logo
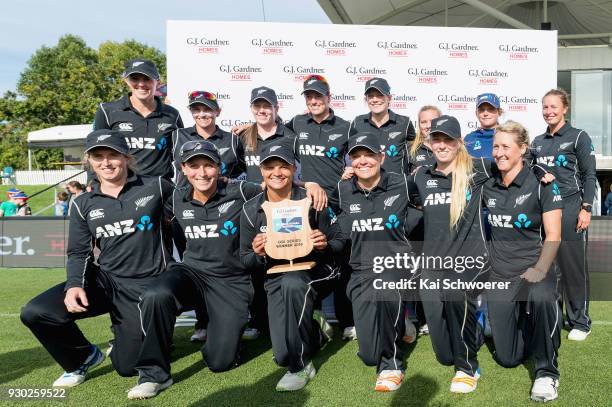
(521, 199)
(103, 137)
(223, 150)
(223, 208)
(389, 201)
(334, 137)
(394, 134)
(142, 202)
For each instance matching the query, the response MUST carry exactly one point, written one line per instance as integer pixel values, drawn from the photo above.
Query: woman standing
(419, 151)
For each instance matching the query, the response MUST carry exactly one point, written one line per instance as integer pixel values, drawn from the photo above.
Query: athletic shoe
(147, 390)
(424, 330)
(577, 335)
(389, 380)
(250, 334)
(349, 333)
(326, 328)
(463, 382)
(296, 381)
(110, 348)
(199, 335)
(544, 389)
(410, 333)
(71, 379)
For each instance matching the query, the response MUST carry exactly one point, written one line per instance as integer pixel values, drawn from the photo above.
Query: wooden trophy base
(283, 268)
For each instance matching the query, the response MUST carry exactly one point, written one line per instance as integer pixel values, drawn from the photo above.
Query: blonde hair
(518, 131)
(462, 175)
(419, 139)
(131, 163)
(249, 135)
(563, 95)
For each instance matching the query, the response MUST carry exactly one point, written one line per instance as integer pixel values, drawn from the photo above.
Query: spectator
(10, 207)
(23, 209)
(74, 188)
(61, 206)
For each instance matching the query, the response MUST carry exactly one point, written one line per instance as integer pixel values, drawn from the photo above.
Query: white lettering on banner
(464, 65)
(14, 246)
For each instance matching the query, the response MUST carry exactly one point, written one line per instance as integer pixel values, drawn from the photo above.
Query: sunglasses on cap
(190, 146)
(200, 93)
(318, 78)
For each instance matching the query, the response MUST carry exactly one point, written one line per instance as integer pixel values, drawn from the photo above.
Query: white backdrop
(446, 67)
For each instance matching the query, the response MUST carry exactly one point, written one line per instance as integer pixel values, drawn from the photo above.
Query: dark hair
(76, 185)
(62, 196)
(563, 95)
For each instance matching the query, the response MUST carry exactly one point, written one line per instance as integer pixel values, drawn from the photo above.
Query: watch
(587, 208)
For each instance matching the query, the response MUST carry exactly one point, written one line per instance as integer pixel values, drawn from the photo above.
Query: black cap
(106, 138)
(143, 66)
(264, 93)
(203, 97)
(204, 148)
(278, 151)
(366, 140)
(446, 125)
(379, 84)
(316, 83)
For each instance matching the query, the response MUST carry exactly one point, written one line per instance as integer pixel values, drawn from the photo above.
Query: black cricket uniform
(569, 155)
(149, 138)
(423, 157)
(321, 148)
(296, 337)
(451, 313)
(283, 135)
(525, 319)
(211, 272)
(230, 150)
(378, 223)
(129, 232)
(394, 136)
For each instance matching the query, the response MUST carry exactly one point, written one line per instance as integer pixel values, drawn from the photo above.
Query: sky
(26, 25)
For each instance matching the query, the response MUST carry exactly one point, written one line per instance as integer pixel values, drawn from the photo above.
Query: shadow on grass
(415, 391)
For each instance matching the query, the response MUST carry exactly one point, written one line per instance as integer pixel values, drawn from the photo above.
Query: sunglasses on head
(200, 93)
(190, 146)
(318, 78)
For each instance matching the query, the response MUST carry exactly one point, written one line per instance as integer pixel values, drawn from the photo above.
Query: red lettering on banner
(398, 53)
(488, 81)
(456, 54)
(522, 56)
(208, 50)
(457, 106)
(398, 105)
(517, 108)
(338, 105)
(427, 79)
(241, 77)
(335, 52)
(300, 77)
(364, 78)
(281, 104)
(272, 51)
(57, 247)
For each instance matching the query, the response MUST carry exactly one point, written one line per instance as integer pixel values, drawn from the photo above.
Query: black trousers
(291, 296)
(55, 327)
(342, 303)
(379, 320)
(452, 322)
(574, 268)
(179, 289)
(526, 321)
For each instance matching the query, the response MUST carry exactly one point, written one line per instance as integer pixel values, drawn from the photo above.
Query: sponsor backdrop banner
(446, 67)
(35, 241)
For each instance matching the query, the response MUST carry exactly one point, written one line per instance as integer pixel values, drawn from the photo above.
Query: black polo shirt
(149, 138)
(283, 135)
(230, 150)
(212, 230)
(253, 221)
(570, 156)
(423, 157)
(467, 239)
(379, 221)
(515, 215)
(127, 230)
(321, 148)
(394, 136)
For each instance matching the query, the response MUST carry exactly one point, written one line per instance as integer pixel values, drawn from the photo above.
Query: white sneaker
(463, 382)
(250, 334)
(349, 333)
(577, 335)
(389, 380)
(410, 333)
(71, 379)
(544, 389)
(424, 330)
(199, 335)
(326, 328)
(147, 390)
(109, 350)
(296, 381)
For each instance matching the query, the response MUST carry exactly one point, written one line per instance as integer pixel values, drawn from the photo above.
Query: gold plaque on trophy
(288, 234)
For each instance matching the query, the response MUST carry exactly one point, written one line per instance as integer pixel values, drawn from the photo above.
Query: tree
(63, 85)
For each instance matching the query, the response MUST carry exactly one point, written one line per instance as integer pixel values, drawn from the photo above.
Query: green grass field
(586, 371)
(39, 201)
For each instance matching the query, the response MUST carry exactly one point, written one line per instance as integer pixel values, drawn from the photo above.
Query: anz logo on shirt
(390, 151)
(556, 193)
(146, 143)
(375, 224)
(552, 161)
(209, 231)
(505, 221)
(251, 160)
(124, 227)
(318, 151)
(438, 198)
